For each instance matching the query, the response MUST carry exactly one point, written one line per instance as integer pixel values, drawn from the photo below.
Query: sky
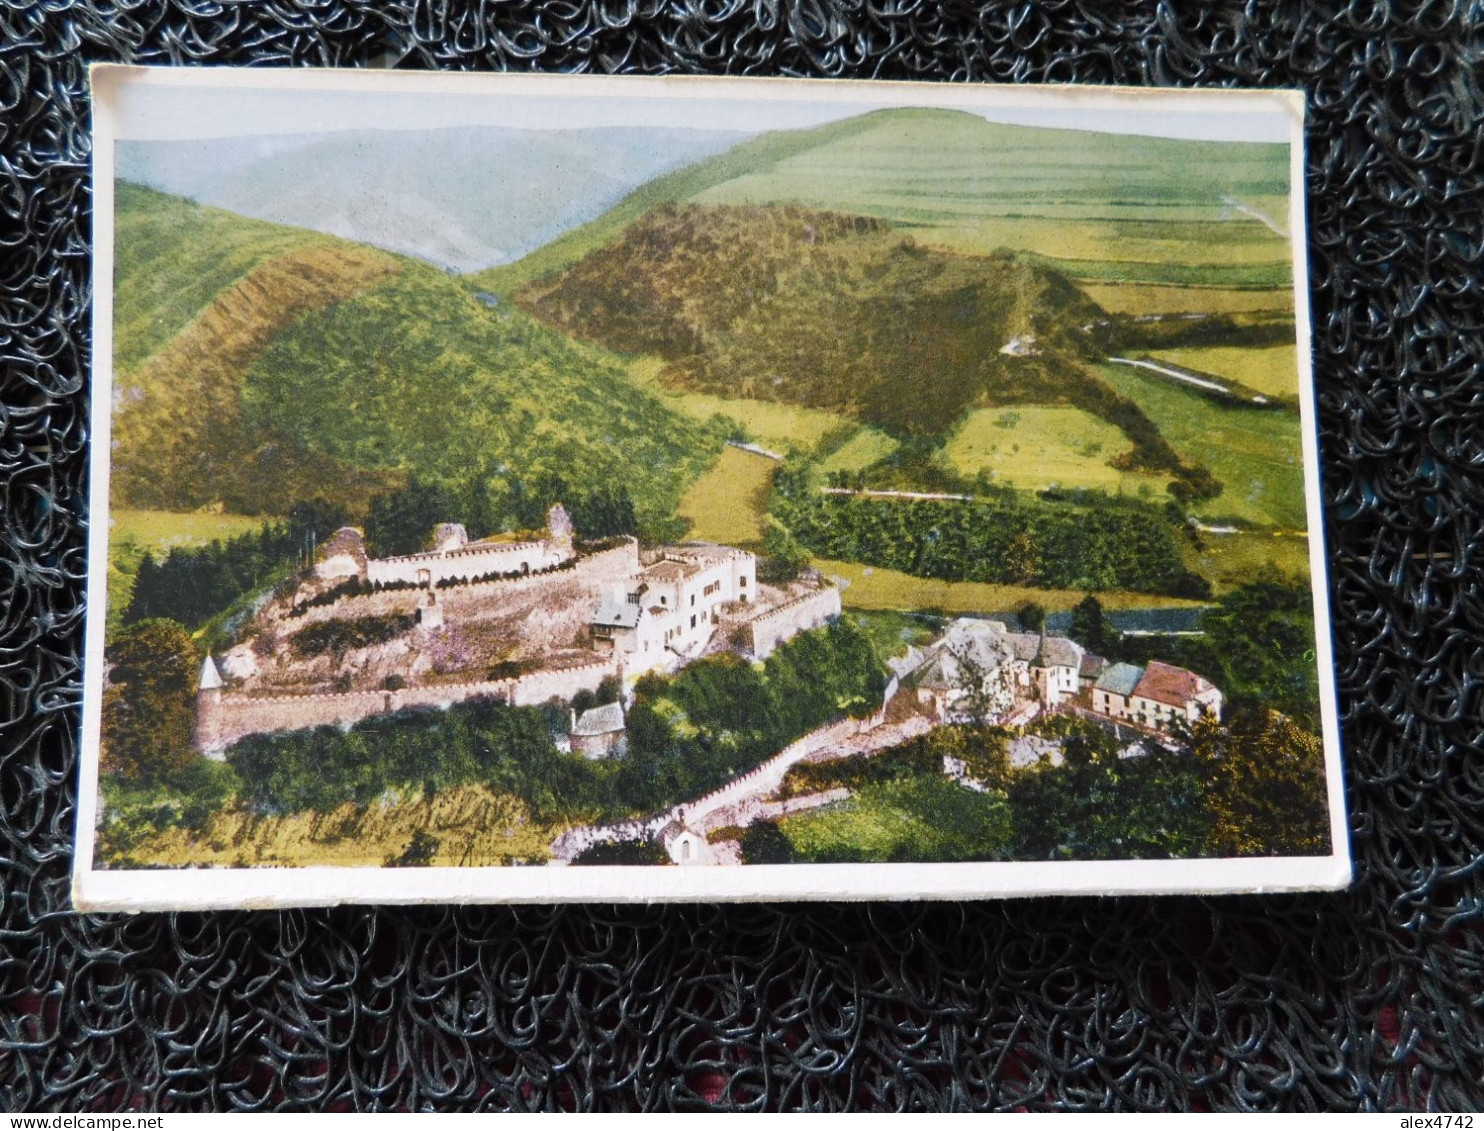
(171, 105)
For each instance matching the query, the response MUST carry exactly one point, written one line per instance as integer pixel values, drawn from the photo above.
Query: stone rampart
(537, 687)
(236, 716)
(471, 561)
(591, 570)
(770, 629)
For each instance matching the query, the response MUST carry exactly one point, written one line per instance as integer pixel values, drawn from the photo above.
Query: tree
(150, 708)
(1266, 786)
(623, 852)
(1032, 617)
(402, 522)
(1088, 626)
(764, 842)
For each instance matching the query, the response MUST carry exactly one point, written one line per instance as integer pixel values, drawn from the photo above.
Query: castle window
(693, 620)
(633, 598)
(743, 582)
(693, 600)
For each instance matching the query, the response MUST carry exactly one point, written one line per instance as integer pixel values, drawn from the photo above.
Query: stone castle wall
(233, 717)
(512, 557)
(593, 570)
(765, 632)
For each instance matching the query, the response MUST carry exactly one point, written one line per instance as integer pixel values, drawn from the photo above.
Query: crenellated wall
(471, 561)
(614, 564)
(223, 720)
(772, 628)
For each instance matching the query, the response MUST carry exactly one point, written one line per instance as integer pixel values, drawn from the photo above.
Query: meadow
(729, 503)
(778, 427)
(1033, 447)
(1271, 370)
(1255, 453)
(865, 446)
(1165, 298)
(1232, 560)
(134, 533)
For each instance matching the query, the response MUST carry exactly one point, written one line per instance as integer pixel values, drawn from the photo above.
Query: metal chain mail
(1371, 999)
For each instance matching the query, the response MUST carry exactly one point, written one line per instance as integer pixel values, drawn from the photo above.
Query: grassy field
(1036, 446)
(729, 503)
(134, 533)
(780, 428)
(472, 827)
(924, 818)
(1256, 454)
(1230, 560)
(1272, 370)
(1158, 298)
(865, 446)
(1216, 242)
(893, 632)
(872, 588)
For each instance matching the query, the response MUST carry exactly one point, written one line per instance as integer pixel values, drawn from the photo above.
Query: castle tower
(208, 732)
(559, 530)
(429, 611)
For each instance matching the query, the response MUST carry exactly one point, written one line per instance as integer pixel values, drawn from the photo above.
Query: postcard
(520, 488)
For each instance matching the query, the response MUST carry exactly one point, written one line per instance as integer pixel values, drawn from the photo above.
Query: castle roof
(618, 614)
(1120, 679)
(670, 570)
(606, 719)
(211, 679)
(1165, 683)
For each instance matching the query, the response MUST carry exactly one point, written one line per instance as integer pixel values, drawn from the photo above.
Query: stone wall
(233, 717)
(593, 570)
(764, 633)
(505, 557)
(537, 687)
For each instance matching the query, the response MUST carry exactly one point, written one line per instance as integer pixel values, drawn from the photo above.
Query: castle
(525, 622)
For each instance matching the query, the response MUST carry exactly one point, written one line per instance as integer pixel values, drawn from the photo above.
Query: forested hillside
(261, 366)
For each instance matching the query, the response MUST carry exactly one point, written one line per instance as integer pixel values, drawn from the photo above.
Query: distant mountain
(463, 198)
(1100, 205)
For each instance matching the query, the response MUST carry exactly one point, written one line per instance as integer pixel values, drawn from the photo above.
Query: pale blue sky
(177, 109)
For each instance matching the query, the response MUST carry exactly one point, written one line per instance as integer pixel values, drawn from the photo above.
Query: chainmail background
(1369, 999)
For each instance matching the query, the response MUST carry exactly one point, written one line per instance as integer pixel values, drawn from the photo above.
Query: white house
(1154, 696)
(1166, 693)
(669, 610)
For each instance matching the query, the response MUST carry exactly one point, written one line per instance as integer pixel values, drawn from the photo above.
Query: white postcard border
(100, 890)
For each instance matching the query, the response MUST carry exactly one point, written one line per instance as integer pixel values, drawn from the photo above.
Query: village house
(978, 670)
(670, 609)
(1154, 696)
(1165, 693)
(599, 732)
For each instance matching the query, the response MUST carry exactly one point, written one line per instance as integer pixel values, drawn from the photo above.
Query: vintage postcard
(537, 488)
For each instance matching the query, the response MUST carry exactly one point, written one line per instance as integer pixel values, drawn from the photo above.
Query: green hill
(281, 366)
(1120, 209)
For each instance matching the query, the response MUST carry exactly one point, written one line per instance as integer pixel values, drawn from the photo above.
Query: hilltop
(261, 366)
(842, 313)
(1141, 217)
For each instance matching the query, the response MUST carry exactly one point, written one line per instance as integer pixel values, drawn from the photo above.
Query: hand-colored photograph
(654, 480)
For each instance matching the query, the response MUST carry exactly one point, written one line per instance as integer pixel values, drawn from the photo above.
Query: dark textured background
(1368, 999)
